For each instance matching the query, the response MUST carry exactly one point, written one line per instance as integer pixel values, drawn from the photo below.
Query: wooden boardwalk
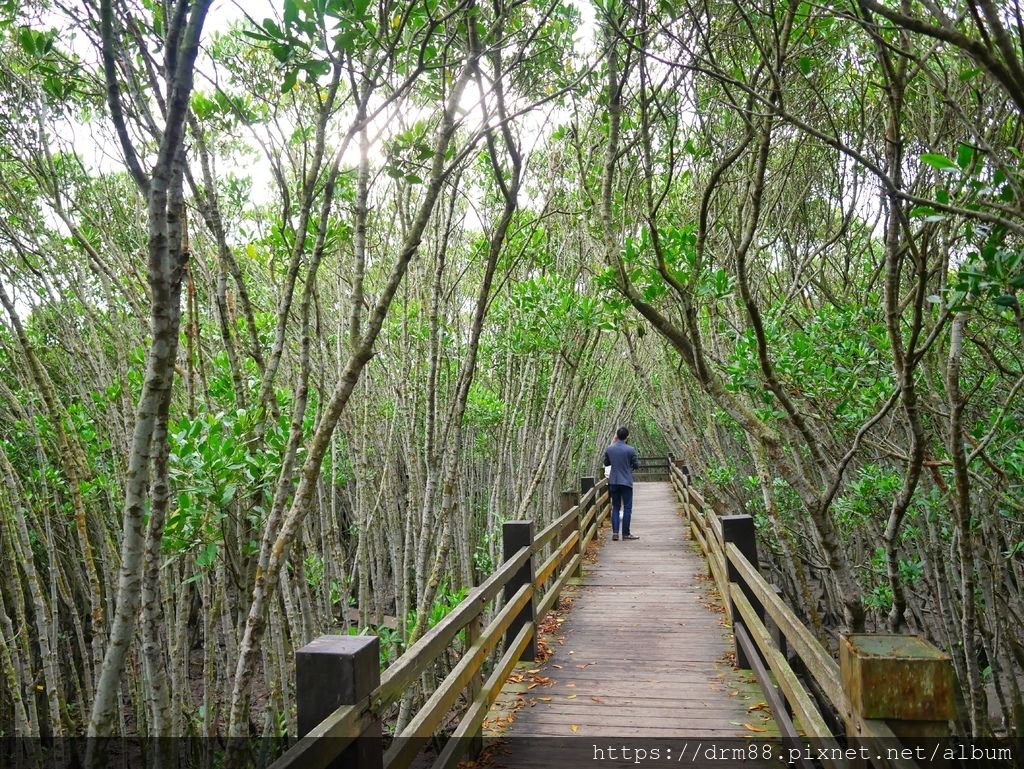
(643, 653)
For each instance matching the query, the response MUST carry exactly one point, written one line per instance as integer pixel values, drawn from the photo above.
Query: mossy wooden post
(903, 680)
(514, 536)
(586, 484)
(337, 670)
(739, 530)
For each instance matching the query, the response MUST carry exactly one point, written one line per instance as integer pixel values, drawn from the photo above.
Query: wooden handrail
(348, 722)
(429, 716)
(752, 631)
(548, 532)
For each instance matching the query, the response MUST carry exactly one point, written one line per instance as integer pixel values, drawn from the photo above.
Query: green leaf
(227, 494)
(805, 65)
(291, 13)
(207, 556)
(281, 51)
(939, 162)
(964, 155)
(289, 80)
(1006, 300)
(27, 39)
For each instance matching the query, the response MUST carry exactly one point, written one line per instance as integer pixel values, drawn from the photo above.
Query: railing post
(514, 536)
(566, 502)
(337, 670)
(901, 679)
(778, 636)
(586, 484)
(739, 530)
(473, 632)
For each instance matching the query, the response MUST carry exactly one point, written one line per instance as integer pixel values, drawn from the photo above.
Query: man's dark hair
(622, 433)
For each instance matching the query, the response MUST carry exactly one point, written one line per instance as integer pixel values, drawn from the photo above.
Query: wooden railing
(342, 696)
(916, 706)
(652, 469)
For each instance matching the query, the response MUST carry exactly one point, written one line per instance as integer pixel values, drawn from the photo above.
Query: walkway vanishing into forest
(675, 641)
(644, 652)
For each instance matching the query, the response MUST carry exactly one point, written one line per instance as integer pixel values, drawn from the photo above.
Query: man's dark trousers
(622, 496)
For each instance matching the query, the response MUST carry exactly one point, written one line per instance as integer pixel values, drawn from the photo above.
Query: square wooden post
(337, 670)
(567, 500)
(514, 536)
(739, 530)
(902, 679)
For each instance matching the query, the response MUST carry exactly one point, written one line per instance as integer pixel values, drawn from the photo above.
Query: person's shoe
(630, 536)
(615, 537)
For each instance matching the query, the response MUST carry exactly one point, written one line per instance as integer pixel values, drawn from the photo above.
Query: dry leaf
(544, 699)
(758, 706)
(596, 699)
(557, 667)
(753, 728)
(574, 728)
(535, 670)
(571, 697)
(532, 685)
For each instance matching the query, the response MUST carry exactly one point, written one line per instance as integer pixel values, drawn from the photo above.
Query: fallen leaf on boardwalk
(758, 706)
(734, 693)
(574, 728)
(571, 685)
(571, 697)
(544, 699)
(557, 667)
(571, 651)
(532, 685)
(535, 670)
(596, 699)
(753, 728)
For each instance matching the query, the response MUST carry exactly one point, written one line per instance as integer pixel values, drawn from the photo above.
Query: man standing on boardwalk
(620, 460)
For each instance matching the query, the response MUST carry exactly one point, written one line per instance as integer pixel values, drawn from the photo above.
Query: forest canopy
(301, 302)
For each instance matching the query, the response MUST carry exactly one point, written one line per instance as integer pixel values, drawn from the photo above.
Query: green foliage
(867, 497)
(484, 407)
